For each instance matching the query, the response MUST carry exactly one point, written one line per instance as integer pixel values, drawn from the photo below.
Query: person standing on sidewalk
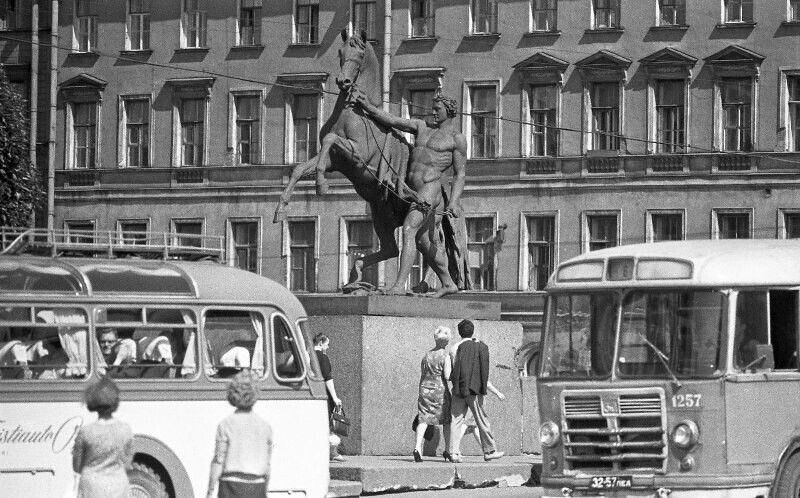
(470, 378)
(321, 344)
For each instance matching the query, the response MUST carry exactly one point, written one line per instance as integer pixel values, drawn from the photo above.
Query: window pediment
(428, 76)
(735, 59)
(312, 81)
(668, 61)
(192, 87)
(604, 65)
(542, 67)
(83, 88)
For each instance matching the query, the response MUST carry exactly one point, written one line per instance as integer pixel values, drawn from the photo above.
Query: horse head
(356, 60)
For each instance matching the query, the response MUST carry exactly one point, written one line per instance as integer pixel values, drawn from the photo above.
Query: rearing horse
(359, 148)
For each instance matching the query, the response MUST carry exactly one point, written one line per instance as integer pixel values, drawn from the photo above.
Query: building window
(307, 21)
(84, 134)
(192, 116)
(605, 115)
(791, 224)
(480, 245)
(420, 104)
(606, 14)
(304, 121)
(302, 257)
(544, 15)
(138, 35)
(793, 112)
(483, 121)
(187, 233)
(484, 16)
(244, 245)
(364, 18)
(136, 119)
(80, 231)
(794, 11)
(133, 233)
(733, 224)
(543, 118)
(541, 250)
(249, 22)
(194, 19)
(665, 225)
(670, 116)
(248, 128)
(10, 15)
(600, 230)
(737, 112)
(360, 242)
(737, 11)
(85, 25)
(422, 18)
(671, 12)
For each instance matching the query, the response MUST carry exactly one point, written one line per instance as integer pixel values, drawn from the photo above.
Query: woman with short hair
(433, 403)
(103, 450)
(241, 464)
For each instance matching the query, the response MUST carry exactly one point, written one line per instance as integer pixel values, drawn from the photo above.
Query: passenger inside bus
(234, 341)
(118, 353)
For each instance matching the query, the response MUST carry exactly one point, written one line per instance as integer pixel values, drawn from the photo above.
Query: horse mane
(369, 79)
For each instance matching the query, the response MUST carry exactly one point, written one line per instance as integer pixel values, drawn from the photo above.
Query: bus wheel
(145, 483)
(788, 484)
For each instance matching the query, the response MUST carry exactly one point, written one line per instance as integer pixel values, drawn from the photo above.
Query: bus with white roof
(671, 369)
(185, 323)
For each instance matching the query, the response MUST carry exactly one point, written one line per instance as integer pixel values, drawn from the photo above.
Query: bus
(175, 325)
(671, 369)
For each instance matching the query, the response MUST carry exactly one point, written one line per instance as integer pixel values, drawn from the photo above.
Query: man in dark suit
(470, 378)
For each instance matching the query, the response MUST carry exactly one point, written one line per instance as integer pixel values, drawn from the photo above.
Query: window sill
(541, 34)
(191, 50)
(145, 52)
(670, 27)
(304, 45)
(90, 53)
(482, 36)
(791, 23)
(595, 31)
(421, 39)
(736, 25)
(257, 46)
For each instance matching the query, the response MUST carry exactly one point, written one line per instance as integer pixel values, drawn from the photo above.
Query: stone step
(343, 489)
(378, 474)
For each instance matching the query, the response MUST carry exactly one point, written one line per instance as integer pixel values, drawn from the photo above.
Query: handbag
(340, 424)
(429, 431)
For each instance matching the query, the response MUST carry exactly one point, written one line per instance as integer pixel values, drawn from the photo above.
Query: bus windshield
(663, 333)
(580, 335)
(666, 333)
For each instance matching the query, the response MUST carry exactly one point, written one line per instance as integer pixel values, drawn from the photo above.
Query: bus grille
(615, 431)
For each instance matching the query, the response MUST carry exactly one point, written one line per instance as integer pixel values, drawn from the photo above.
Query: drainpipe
(51, 133)
(387, 48)
(34, 91)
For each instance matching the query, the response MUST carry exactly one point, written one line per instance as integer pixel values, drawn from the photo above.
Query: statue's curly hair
(450, 104)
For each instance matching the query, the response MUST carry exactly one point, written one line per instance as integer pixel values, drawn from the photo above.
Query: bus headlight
(549, 434)
(685, 434)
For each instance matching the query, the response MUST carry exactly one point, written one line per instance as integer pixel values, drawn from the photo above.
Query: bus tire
(145, 483)
(788, 483)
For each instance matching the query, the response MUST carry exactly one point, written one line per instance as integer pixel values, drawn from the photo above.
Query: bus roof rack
(110, 244)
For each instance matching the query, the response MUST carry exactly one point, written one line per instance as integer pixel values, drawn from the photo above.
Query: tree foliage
(20, 188)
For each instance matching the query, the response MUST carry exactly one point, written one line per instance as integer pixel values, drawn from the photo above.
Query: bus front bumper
(672, 486)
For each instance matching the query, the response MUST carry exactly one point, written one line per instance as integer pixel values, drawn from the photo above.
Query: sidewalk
(380, 474)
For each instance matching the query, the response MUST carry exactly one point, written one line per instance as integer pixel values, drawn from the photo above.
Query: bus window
(580, 335)
(235, 341)
(309, 343)
(288, 365)
(43, 343)
(783, 314)
(751, 329)
(146, 343)
(667, 333)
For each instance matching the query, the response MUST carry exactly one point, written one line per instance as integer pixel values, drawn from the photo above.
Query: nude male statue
(436, 149)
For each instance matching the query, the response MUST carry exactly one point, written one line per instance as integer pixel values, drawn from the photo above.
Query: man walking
(470, 378)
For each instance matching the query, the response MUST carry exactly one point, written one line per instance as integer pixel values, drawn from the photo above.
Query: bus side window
(288, 364)
(783, 328)
(750, 329)
(234, 342)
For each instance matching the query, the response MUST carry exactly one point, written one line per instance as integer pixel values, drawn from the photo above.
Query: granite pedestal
(377, 344)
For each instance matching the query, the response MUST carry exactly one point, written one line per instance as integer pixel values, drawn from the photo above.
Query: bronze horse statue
(362, 150)
(372, 156)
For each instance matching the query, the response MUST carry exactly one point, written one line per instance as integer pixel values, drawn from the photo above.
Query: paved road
(530, 492)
